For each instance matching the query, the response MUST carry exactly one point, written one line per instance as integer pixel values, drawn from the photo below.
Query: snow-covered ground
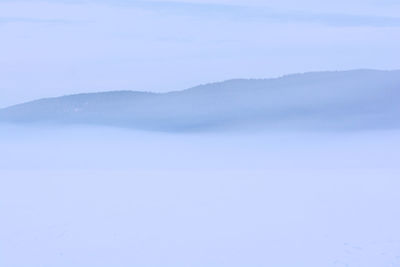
(98, 197)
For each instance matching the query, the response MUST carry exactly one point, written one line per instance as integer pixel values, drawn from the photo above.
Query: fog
(94, 196)
(343, 100)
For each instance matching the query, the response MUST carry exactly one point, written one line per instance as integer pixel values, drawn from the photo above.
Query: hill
(366, 99)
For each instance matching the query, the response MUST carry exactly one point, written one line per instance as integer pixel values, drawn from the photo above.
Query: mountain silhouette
(358, 99)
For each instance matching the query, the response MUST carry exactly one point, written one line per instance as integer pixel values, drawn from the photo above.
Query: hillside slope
(319, 100)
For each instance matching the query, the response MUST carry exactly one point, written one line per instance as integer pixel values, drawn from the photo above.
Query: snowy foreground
(113, 198)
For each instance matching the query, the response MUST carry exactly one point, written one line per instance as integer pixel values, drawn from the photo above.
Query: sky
(59, 47)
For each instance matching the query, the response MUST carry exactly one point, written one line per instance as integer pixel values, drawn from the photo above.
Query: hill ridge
(313, 100)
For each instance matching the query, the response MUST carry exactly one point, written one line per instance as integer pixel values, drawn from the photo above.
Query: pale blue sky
(51, 48)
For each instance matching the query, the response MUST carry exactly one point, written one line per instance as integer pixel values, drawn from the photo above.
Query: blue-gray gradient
(199, 133)
(53, 48)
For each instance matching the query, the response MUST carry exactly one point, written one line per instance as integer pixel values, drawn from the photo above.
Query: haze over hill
(366, 99)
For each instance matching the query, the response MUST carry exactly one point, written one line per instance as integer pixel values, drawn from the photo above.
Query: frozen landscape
(199, 133)
(93, 196)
